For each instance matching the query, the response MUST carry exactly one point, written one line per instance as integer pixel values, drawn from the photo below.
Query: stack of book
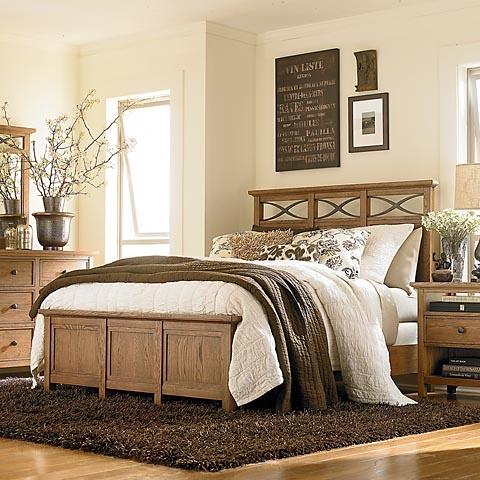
(462, 367)
(457, 303)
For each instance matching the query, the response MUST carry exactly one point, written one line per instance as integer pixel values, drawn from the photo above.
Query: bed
(208, 338)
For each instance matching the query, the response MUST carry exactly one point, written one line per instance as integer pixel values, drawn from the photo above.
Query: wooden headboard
(348, 206)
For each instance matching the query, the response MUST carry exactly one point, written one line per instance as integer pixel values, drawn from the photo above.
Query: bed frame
(189, 355)
(349, 206)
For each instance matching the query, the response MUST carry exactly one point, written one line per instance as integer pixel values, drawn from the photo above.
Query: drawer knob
(461, 330)
(14, 306)
(13, 343)
(14, 272)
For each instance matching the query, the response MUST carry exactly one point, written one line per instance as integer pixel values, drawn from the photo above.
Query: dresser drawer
(16, 273)
(14, 307)
(15, 344)
(463, 331)
(51, 269)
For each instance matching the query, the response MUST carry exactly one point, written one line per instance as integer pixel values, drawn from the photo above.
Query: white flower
(451, 224)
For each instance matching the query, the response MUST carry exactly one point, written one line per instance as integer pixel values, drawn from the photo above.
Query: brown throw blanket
(295, 321)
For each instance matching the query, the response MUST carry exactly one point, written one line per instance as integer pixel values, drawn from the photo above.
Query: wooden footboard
(184, 355)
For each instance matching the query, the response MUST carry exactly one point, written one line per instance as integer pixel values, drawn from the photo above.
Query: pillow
(308, 253)
(221, 246)
(339, 249)
(249, 245)
(403, 268)
(382, 245)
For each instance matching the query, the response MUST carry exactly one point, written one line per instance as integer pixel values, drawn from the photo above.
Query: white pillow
(383, 244)
(339, 249)
(403, 268)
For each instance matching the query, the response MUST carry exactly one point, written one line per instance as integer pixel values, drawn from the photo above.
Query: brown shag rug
(198, 435)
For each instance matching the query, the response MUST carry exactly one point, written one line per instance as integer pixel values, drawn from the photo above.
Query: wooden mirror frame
(22, 133)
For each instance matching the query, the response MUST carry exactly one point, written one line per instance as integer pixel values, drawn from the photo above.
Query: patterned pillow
(308, 253)
(249, 245)
(339, 249)
(221, 246)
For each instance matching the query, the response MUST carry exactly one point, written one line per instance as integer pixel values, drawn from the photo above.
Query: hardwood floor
(446, 454)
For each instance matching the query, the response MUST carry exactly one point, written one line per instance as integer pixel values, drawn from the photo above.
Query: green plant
(451, 224)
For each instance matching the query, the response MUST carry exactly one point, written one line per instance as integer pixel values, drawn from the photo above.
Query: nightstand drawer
(14, 307)
(16, 273)
(15, 344)
(463, 331)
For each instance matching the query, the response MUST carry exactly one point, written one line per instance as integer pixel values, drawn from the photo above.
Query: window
(144, 180)
(473, 131)
(473, 144)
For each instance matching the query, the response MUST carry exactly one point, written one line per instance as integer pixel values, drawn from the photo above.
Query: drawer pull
(14, 272)
(14, 306)
(13, 343)
(461, 330)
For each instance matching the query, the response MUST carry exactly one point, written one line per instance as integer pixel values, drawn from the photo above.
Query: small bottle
(10, 235)
(24, 236)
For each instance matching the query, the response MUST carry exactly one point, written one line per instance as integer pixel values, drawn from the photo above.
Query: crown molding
(38, 42)
(141, 38)
(404, 12)
(230, 33)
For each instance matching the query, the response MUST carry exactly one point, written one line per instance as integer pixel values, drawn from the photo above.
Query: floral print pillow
(307, 253)
(221, 247)
(339, 249)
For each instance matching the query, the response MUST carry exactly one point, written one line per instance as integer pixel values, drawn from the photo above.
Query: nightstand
(444, 334)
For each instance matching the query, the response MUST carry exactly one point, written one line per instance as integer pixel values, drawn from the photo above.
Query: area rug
(198, 435)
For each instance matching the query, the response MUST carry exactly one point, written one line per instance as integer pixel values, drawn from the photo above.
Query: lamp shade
(467, 186)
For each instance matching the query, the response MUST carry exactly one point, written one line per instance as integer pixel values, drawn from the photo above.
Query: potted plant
(72, 161)
(453, 228)
(10, 170)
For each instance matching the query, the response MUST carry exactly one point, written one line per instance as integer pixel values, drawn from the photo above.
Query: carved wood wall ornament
(366, 70)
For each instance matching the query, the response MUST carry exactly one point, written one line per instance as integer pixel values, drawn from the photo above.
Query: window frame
(154, 238)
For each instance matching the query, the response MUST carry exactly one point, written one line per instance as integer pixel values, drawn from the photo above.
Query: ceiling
(85, 21)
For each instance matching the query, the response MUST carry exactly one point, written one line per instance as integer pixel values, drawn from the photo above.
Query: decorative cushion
(339, 249)
(249, 245)
(308, 253)
(403, 268)
(221, 246)
(383, 243)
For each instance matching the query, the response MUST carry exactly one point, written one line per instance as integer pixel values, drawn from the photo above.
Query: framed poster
(307, 116)
(368, 123)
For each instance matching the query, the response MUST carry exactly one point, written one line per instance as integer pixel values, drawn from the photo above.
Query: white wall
(39, 81)
(230, 131)
(408, 43)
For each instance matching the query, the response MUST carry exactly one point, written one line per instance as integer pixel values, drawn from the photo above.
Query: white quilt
(354, 314)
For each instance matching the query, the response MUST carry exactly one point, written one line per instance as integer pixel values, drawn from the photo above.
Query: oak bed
(189, 355)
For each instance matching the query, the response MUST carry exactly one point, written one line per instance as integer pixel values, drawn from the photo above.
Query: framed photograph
(368, 123)
(307, 114)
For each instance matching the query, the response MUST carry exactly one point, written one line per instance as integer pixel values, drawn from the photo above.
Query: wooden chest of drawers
(22, 274)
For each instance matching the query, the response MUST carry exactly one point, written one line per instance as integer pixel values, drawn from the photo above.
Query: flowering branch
(74, 156)
(10, 162)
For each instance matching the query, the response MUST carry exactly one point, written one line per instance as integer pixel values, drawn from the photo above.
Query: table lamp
(467, 194)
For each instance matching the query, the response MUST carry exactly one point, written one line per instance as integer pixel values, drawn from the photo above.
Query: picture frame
(368, 128)
(307, 111)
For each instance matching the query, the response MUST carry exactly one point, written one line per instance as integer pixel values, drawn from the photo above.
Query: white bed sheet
(354, 314)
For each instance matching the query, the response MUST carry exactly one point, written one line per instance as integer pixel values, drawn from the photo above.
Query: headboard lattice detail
(394, 194)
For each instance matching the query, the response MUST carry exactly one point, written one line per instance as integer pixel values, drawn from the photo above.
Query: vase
(53, 204)
(53, 229)
(455, 252)
(12, 206)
